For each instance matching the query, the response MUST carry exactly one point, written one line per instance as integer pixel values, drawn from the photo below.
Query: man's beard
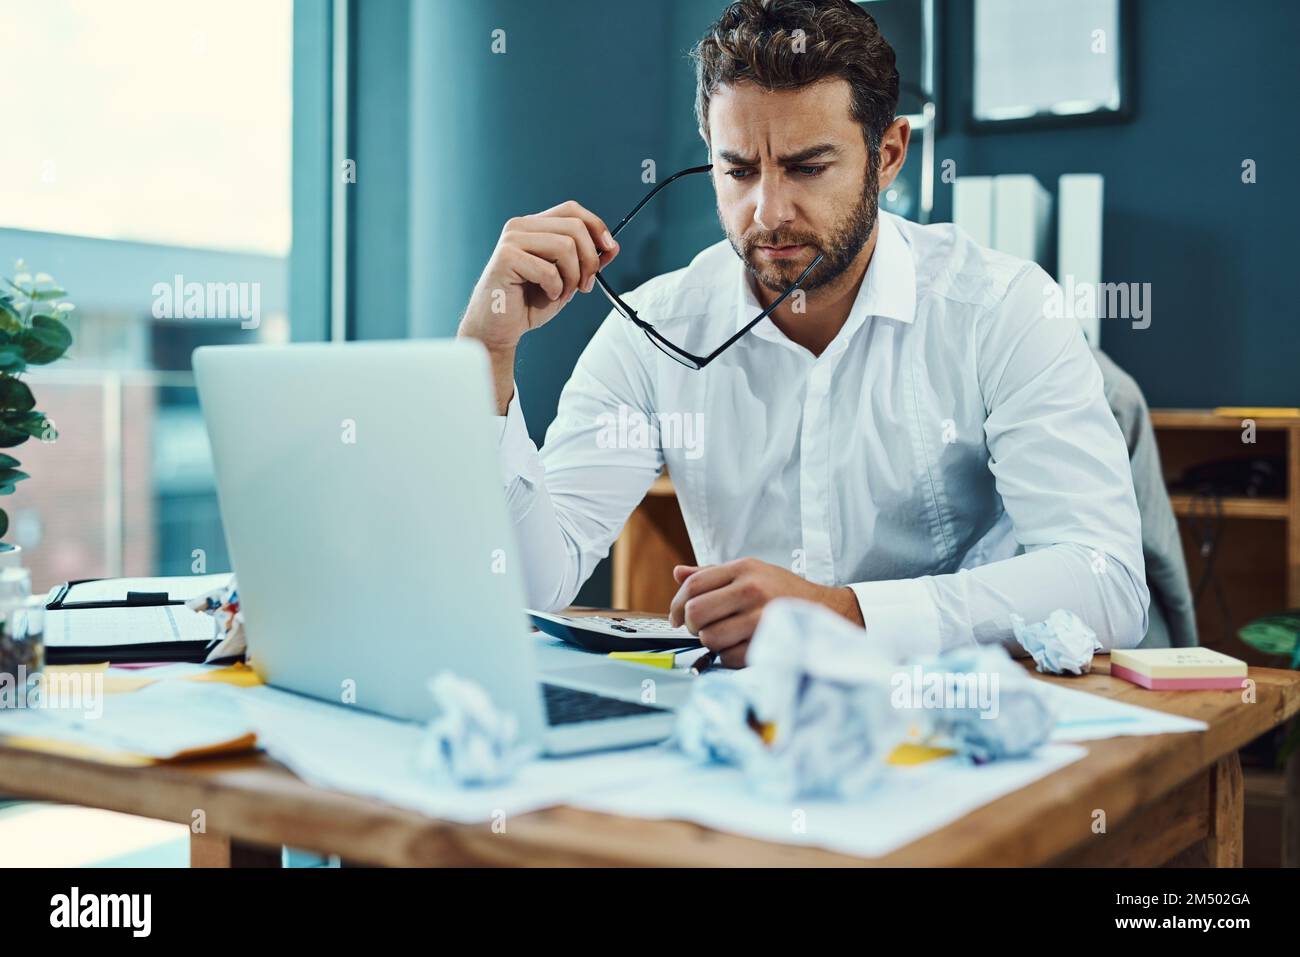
(838, 250)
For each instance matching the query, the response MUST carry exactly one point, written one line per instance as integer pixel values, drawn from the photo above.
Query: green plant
(1278, 635)
(32, 333)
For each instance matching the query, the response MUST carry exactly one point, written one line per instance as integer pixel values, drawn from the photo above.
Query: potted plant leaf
(1278, 634)
(32, 333)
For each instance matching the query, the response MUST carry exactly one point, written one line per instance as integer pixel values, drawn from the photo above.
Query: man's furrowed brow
(735, 159)
(819, 151)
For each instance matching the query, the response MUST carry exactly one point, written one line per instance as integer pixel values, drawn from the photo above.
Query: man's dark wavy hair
(755, 41)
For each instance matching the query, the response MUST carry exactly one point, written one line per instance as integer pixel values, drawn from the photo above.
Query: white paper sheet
(105, 627)
(159, 720)
(909, 803)
(1081, 716)
(353, 751)
(333, 746)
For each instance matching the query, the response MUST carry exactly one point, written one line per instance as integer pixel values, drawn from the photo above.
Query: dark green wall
(588, 89)
(570, 110)
(1215, 84)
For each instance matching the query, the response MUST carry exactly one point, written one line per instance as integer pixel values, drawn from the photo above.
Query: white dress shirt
(950, 456)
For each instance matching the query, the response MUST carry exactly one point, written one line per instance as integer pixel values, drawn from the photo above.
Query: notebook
(1174, 669)
(125, 620)
(117, 592)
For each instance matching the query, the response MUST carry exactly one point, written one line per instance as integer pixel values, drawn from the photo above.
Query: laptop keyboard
(569, 706)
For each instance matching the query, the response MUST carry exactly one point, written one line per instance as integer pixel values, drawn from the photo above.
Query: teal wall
(569, 111)
(1215, 84)
(456, 139)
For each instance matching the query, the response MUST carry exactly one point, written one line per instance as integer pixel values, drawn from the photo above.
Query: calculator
(606, 633)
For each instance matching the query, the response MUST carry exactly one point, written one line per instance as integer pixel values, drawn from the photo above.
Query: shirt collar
(888, 290)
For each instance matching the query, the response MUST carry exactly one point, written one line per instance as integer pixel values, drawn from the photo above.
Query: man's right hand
(539, 264)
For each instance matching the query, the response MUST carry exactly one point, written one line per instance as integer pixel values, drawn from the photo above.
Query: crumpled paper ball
(810, 715)
(470, 742)
(1060, 644)
(820, 708)
(988, 708)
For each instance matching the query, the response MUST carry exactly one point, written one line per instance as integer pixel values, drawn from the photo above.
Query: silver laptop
(364, 511)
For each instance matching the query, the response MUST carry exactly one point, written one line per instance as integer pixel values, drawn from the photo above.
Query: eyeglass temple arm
(650, 195)
(617, 300)
(766, 312)
(613, 296)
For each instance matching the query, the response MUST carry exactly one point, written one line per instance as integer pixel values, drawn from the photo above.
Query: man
(906, 439)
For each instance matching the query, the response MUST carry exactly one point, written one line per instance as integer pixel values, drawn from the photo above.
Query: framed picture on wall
(1044, 63)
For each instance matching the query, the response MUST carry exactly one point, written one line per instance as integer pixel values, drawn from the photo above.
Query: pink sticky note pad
(133, 665)
(1177, 684)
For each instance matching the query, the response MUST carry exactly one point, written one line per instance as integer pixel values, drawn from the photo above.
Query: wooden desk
(1174, 798)
(1258, 565)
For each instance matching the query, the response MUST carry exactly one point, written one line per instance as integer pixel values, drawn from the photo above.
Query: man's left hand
(721, 604)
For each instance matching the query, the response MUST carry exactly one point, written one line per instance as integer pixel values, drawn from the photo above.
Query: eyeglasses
(677, 353)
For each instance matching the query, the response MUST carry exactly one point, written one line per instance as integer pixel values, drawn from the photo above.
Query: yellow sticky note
(655, 659)
(128, 759)
(113, 684)
(238, 674)
(120, 684)
(909, 753)
(74, 669)
(75, 749)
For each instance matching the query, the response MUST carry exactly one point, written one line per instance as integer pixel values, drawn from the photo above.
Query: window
(154, 185)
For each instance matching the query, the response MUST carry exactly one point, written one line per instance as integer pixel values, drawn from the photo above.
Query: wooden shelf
(1257, 563)
(1273, 508)
(1202, 419)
